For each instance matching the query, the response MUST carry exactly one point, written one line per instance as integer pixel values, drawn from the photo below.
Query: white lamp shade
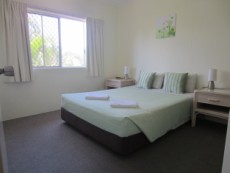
(126, 70)
(212, 74)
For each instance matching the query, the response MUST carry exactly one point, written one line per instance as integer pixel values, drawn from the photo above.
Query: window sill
(53, 68)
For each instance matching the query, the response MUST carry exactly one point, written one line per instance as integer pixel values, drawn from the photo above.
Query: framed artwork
(166, 26)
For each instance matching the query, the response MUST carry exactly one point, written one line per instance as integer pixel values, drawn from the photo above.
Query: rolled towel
(96, 96)
(123, 104)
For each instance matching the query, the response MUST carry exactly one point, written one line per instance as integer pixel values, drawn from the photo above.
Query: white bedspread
(123, 104)
(97, 96)
(157, 111)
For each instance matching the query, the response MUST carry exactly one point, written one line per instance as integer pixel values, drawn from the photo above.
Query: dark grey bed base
(121, 145)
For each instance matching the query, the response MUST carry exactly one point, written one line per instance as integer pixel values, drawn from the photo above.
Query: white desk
(215, 103)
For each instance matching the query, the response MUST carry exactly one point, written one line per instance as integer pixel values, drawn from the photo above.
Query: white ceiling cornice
(115, 2)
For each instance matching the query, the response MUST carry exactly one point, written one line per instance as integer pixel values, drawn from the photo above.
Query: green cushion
(145, 80)
(175, 82)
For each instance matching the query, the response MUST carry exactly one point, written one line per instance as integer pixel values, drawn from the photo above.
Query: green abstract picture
(166, 26)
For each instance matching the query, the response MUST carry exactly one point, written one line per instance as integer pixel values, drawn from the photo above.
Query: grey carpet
(45, 144)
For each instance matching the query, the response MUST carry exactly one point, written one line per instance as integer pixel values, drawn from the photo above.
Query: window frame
(58, 16)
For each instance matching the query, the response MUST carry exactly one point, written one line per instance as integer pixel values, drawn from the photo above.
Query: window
(57, 41)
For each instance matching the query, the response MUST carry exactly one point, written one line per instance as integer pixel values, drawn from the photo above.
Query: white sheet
(123, 104)
(97, 96)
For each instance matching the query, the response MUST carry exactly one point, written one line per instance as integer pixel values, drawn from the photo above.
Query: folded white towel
(96, 96)
(123, 104)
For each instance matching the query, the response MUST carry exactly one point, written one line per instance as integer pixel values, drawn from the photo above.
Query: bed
(125, 130)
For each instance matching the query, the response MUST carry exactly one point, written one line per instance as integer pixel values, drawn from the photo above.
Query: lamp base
(211, 85)
(126, 76)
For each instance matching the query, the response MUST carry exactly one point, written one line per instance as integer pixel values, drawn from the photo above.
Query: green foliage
(47, 57)
(36, 45)
(51, 53)
(44, 49)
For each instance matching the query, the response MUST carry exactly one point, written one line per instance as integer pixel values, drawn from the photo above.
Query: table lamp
(126, 72)
(212, 75)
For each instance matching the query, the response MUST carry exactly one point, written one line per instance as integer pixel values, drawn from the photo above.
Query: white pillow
(190, 84)
(158, 81)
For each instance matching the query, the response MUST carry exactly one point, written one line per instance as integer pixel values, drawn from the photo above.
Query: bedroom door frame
(226, 166)
(3, 156)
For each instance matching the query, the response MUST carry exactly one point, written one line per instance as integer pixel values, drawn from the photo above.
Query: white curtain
(17, 40)
(95, 47)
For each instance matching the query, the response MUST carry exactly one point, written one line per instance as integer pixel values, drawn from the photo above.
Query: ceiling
(115, 2)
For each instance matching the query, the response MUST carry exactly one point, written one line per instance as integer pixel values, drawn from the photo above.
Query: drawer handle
(213, 100)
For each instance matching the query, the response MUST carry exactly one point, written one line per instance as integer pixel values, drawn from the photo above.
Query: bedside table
(117, 83)
(215, 103)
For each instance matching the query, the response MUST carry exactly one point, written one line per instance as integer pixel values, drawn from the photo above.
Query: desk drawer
(213, 99)
(127, 83)
(113, 84)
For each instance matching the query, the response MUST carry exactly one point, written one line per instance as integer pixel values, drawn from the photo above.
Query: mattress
(157, 111)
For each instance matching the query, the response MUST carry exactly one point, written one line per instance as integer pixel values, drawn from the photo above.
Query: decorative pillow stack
(145, 80)
(175, 82)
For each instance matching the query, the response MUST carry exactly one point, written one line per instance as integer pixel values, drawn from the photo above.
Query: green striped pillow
(175, 82)
(145, 80)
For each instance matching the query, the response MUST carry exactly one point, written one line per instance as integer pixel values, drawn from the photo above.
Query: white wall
(202, 38)
(43, 93)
